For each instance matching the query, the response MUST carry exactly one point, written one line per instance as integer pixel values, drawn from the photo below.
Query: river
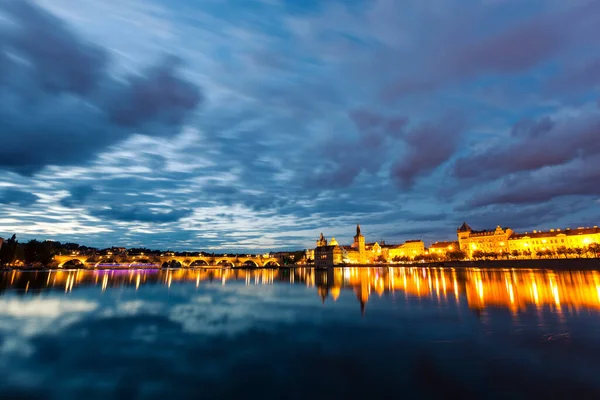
(300, 333)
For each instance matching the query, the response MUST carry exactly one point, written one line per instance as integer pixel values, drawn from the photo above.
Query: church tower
(322, 242)
(359, 244)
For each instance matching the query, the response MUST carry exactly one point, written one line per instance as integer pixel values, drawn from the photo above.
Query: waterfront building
(506, 241)
(443, 248)
(488, 241)
(327, 255)
(309, 254)
(553, 240)
(410, 249)
(330, 254)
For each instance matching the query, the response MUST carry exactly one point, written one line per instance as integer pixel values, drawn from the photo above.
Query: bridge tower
(359, 244)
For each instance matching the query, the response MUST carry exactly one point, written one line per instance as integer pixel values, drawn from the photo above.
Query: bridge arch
(272, 263)
(249, 263)
(199, 263)
(171, 264)
(73, 263)
(225, 262)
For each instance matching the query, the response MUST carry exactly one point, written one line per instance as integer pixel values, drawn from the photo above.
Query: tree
(37, 253)
(516, 253)
(456, 255)
(594, 249)
(8, 251)
(562, 251)
(478, 254)
(381, 258)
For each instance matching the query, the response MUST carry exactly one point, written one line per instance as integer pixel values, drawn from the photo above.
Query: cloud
(577, 79)
(515, 48)
(158, 96)
(377, 136)
(293, 137)
(18, 197)
(574, 179)
(59, 102)
(138, 214)
(547, 142)
(429, 146)
(78, 195)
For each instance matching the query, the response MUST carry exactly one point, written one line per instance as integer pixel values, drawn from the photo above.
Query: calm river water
(300, 334)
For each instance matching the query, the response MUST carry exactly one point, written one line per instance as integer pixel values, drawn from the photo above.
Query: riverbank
(554, 263)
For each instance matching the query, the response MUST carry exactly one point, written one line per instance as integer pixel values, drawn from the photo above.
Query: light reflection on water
(194, 333)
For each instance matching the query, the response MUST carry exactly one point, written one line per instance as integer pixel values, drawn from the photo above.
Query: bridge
(138, 261)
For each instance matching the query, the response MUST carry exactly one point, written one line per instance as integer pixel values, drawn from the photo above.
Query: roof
(439, 245)
(464, 228)
(349, 248)
(325, 247)
(566, 232)
(413, 241)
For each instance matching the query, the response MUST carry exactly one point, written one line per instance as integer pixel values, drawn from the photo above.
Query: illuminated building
(309, 254)
(1, 242)
(489, 241)
(327, 255)
(410, 249)
(528, 244)
(330, 254)
(553, 240)
(443, 248)
(358, 246)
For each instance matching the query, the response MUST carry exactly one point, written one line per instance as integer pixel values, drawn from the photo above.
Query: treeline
(36, 252)
(455, 255)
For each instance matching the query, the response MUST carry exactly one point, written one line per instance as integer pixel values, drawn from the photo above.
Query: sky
(254, 125)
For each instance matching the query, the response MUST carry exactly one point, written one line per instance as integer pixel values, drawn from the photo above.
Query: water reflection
(515, 290)
(271, 334)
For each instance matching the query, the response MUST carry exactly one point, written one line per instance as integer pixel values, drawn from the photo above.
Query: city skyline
(251, 126)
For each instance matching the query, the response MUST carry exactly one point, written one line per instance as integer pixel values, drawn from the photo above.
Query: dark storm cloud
(18, 197)
(346, 158)
(515, 49)
(78, 195)
(59, 104)
(57, 61)
(533, 146)
(159, 96)
(140, 214)
(577, 79)
(429, 146)
(577, 179)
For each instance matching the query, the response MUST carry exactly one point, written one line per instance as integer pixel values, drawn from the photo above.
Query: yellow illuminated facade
(443, 248)
(410, 249)
(554, 240)
(505, 242)
(489, 241)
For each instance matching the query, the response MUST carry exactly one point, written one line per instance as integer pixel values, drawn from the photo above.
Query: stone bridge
(164, 260)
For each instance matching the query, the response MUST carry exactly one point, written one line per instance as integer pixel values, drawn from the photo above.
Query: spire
(357, 229)
(321, 238)
(464, 228)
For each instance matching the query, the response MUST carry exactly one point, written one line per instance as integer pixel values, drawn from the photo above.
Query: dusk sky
(254, 125)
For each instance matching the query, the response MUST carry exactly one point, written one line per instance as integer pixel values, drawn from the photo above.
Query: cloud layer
(216, 126)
